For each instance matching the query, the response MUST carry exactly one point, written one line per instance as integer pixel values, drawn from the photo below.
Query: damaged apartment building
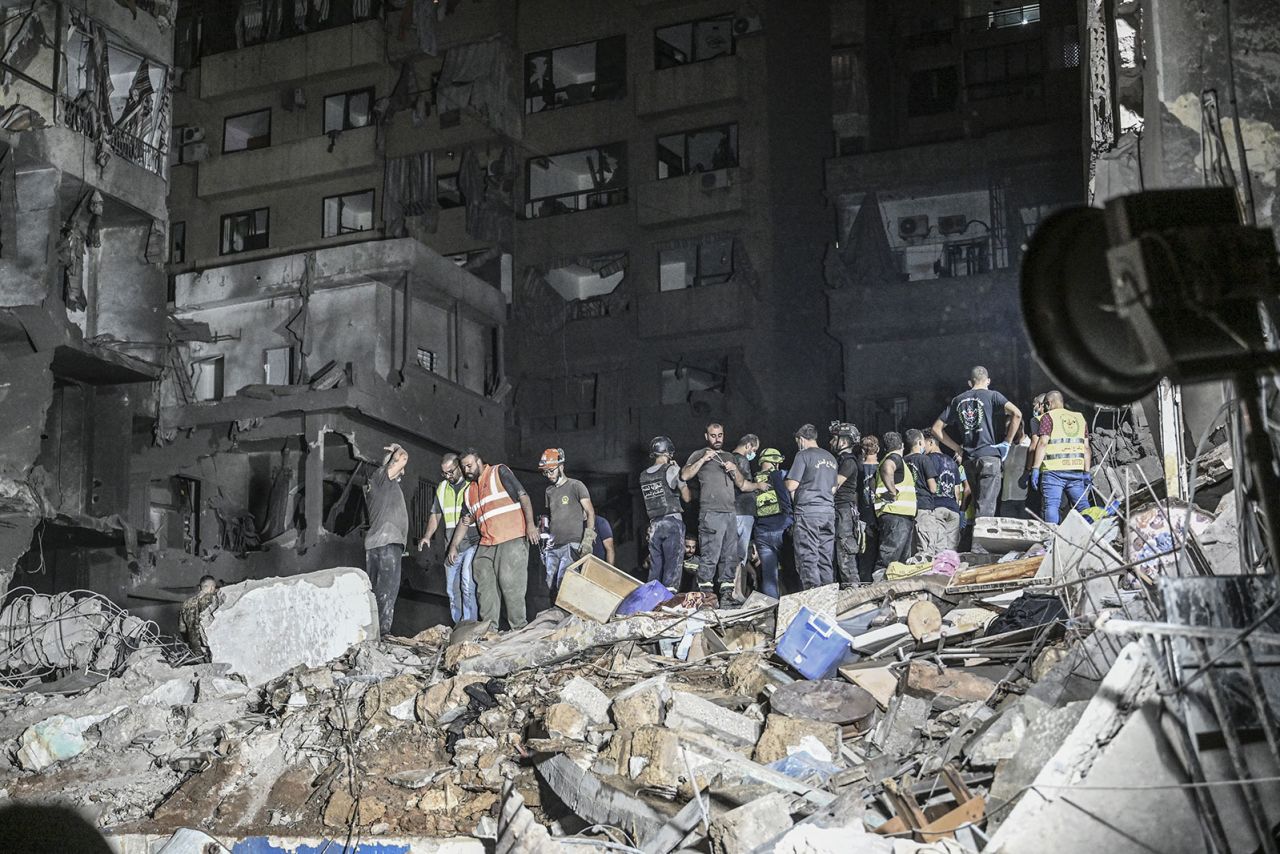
(225, 427)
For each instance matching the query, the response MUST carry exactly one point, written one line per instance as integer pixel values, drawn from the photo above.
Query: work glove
(588, 540)
(1025, 480)
(1035, 478)
(1002, 449)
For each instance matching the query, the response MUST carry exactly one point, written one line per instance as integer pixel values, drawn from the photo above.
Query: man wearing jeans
(971, 416)
(744, 503)
(773, 518)
(664, 494)
(811, 480)
(388, 532)
(572, 519)
(1062, 460)
(448, 506)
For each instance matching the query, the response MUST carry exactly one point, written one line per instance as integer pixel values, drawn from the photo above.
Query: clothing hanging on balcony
(424, 25)
(487, 191)
(409, 190)
(361, 8)
(479, 77)
(323, 8)
(249, 22)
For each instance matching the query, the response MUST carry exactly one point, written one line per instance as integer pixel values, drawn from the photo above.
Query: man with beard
(718, 477)
(448, 507)
(499, 506)
(572, 518)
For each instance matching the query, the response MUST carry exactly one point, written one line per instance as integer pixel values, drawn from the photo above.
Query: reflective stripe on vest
(767, 501)
(1065, 449)
(451, 503)
(905, 503)
(499, 518)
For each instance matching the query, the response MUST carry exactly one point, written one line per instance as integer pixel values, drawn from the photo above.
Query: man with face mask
(572, 517)
(744, 503)
(447, 507)
(718, 476)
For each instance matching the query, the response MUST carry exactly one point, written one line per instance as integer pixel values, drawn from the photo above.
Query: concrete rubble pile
(931, 713)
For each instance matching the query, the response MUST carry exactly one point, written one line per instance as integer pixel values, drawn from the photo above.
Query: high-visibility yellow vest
(1065, 446)
(452, 499)
(905, 503)
(767, 500)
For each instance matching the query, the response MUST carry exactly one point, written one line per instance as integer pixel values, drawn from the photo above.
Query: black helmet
(660, 445)
(844, 430)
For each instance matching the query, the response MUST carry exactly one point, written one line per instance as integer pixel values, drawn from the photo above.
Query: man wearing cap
(388, 532)
(664, 494)
(812, 484)
(773, 518)
(572, 517)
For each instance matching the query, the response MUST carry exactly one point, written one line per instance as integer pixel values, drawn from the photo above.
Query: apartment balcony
(698, 84)
(689, 197)
(325, 53)
(691, 311)
(289, 163)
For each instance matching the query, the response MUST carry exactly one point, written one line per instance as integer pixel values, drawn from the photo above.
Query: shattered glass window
(703, 150)
(575, 74)
(694, 41)
(245, 231)
(577, 180)
(348, 213)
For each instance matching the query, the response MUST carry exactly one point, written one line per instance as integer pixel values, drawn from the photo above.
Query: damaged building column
(315, 428)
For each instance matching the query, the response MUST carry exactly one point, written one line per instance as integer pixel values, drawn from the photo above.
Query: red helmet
(551, 458)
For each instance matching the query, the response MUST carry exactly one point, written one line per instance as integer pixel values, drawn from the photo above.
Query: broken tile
(586, 698)
(691, 712)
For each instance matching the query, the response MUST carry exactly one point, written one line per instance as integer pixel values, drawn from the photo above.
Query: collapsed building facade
(1104, 683)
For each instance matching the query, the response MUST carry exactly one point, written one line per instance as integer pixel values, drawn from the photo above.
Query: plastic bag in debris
(802, 766)
(1028, 610)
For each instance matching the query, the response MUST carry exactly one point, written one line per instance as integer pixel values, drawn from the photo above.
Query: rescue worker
(718, 477)
(499, 506)
(1062, 460)
(447, 507)
(971, 414)
(811, 481)
(189, 617)
(913, 456)
(664, 494)
(773, 518)
(744, 503)
(572, 519)
(388, 532)
(1038, 410)
(895, 503)
(845, 445)
(939, 528)
(867, 509)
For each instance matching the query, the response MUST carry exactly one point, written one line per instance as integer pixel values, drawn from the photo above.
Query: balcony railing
(130, 147)
(581, 200)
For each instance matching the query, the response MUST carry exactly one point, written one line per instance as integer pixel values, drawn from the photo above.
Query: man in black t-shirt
(970, 415)
(938, 528)
(844, 444)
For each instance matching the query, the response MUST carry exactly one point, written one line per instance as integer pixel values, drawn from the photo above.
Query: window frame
(270, 123)
(657, 147)
(373, 209)
(462, 200)
(551, 105)
(251, 212)
(623, 190)
(346, 109)
(701, 241)
(174, 228)
(733, 40)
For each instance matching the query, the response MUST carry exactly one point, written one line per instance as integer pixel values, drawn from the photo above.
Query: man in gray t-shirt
(388, 532)
(811, 480)
(719, 479)
(571, 517)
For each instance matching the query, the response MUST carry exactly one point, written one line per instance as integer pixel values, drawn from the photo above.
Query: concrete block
(751, 826)
(564, 720)
(266, 627)
(643, 704)
(784, 736)
(1001, 534)
(586, 698)
(691, 712)
(948, 687)
(820, 600)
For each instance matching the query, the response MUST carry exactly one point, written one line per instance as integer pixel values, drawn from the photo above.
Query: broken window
(702, 150)
(575, 74)
(178, 243)
(588, 277)
(175, 513)
(427, 359)
(693, 41)
(577, 180)
(694, 263)
(348, 213)
(1002, 70)
(933, 91)
(689, 378)
(245, 231)
(277, 365)
(563, 404)
(247, 131)
(206, 378)
(348, 110)
(448, 193)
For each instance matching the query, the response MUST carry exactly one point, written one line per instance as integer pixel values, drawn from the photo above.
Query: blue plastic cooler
(813, 644)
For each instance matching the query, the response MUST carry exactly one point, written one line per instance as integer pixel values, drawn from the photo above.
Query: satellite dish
(1069, 310)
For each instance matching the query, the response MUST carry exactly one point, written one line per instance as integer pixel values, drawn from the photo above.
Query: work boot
(728, 596)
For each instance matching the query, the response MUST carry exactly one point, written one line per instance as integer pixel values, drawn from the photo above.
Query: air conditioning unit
(953, 224)
(912, 227)
(191, 134)
(717, 179)
(746, 24)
